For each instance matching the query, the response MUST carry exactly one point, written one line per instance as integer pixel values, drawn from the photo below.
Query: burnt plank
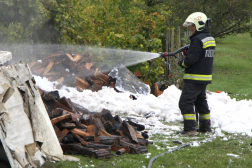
(91, 130)
(87, 119)
(57, 112)
(116, 148)
(98, 146)
(138, 74)
(139, 135)
(81, 83)
(107, 140)
(68, 125)
(108, 127)
(50, 95)
(88, 65)
(129, 131)
(79, 132)
(80, 126)
(49, 111)
(138, 150)
(75, 117)
(117, 140)
(60, 118)
(53, 104)
(55, 54)
(121, 151)
(118, 119)
(57, 131)
(143, 142)
(89, 138)
(74, 133)
(60, 80)
(64, 132)
(155, 90)
(124, 143)
(107, 116)
(140, 127)
(52, 74)
(39, 69)
(76, 57)
(101, 154)
(98, 125)
(49, 66)
(96, 87)
(68, 103)
(33, 64)
(65, 102)
(78, 149)
(102, 132)
(69, 56)
(69, 138)
(101, 76)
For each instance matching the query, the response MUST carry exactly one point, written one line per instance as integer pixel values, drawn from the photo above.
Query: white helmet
(197, 18)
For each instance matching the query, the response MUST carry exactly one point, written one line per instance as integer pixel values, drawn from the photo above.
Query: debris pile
(26, 133)
(77, 70)
(95, 134)
(68, 70)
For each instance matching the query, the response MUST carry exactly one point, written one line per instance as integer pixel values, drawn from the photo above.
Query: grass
(233, 66)
(209, 154)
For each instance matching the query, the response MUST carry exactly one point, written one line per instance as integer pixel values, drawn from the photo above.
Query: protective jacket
(198, 62)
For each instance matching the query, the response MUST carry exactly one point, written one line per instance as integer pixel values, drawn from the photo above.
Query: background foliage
(228, 17)
(134, 24)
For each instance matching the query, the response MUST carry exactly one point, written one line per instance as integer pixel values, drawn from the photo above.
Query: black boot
(189, 128)
(204, 126)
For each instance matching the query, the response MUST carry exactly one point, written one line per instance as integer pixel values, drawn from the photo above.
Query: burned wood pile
(74, 71)
(95, 134)
(77, 70)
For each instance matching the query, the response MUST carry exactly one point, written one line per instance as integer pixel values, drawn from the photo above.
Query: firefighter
(198, 65)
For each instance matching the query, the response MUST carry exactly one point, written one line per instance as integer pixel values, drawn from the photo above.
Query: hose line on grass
(169, 151)
(177, 148)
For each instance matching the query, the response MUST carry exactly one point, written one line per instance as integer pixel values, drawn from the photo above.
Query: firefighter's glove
(181, 63)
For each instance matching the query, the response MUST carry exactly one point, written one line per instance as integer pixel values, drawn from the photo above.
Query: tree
(20, 20)
(228, 17)
(108, 23)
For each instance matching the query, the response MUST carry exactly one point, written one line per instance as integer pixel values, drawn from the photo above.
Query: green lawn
(233, 66)
(230, 151)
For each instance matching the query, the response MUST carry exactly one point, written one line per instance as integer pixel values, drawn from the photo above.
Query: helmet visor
(186, 24)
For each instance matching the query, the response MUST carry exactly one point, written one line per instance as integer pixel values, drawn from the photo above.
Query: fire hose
(177, 148)
(182, 49)
(166, 54)
(169, 151)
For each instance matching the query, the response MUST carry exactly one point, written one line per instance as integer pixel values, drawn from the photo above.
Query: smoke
(111, 57)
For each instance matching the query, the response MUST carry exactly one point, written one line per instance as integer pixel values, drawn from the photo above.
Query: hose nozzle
(163, 55)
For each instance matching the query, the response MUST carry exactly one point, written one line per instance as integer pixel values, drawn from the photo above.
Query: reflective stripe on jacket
(198, 77)
(208, 42)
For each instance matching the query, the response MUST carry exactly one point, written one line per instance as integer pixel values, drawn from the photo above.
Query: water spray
(99, 55)
(111, 58)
